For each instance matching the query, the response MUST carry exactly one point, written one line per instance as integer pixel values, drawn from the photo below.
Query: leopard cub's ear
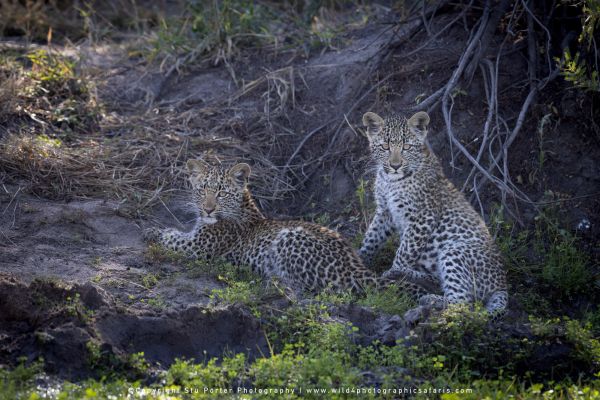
(373, 122)
(418, 124)
(197, 170)
(240, 173)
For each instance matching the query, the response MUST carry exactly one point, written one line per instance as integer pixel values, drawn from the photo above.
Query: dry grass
(67, 136)
(34, 18)
(88, 168)
(8, 95)
(140, 167)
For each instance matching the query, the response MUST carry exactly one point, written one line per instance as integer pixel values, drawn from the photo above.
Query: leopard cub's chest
(398, 201)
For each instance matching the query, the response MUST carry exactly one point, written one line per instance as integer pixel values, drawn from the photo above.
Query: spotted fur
(230, 225)
(442, 238)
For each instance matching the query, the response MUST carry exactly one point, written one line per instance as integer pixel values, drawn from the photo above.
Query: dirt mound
(196, 332)
(71, 327)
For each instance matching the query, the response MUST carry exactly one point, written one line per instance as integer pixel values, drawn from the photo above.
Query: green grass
(157, 254)
(546, 253)
(566, 267)
(150, 280)
(247, 293)
(390, 300)
(309, 347)
(73, 105)
(220, 31)
(156, 302)
(323, 355)
(242, 286)
(75, 307)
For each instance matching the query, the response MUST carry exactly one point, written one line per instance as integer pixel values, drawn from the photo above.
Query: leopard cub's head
(397, 144)
(218, 192)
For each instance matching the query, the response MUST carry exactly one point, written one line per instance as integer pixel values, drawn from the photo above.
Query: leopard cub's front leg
(378, 232)
(412, 246)
(152, 235)
(169, 238)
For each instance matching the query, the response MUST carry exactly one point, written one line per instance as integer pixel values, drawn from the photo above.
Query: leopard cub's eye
(220, 194)
(385, 146)
(406, 146)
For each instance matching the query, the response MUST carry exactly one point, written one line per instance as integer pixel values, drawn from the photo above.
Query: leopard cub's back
(319, 257)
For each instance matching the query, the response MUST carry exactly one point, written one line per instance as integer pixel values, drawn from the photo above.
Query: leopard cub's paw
(415, 315)
(391, 274)
(365, 258)
(151, 235)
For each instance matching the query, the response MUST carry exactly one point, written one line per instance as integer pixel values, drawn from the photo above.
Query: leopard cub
(442, 238)
(230, 225)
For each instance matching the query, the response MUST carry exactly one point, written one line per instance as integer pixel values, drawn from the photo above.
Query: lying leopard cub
(230, 225)
(442, 238)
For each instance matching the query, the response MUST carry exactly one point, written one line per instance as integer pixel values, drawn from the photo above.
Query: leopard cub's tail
(363, 279)
(496, 304)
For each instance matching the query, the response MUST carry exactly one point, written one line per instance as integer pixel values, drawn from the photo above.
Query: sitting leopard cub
(442, 238)
(230, 225)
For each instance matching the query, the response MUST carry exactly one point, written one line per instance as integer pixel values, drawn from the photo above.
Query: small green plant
(531, 301)
(137, 362)
(512, 242)
(564, 265)
(51, 71)
(380, 356)
(292, 325)
(224, 375)
(213, 29)
(155, 253)
(157, 302)
(75, 307)
(549, 254)
(96, 261)
(242, 286)
(390, 300)
(236, 292)
(577, 71)
(582, 69)
(363, 203)
(335, 297)
(58, 94)
(461, 344)
(321, 359)
(593, 319)
(94, 358)
(19, 382)
(149, 280)
(586, 347)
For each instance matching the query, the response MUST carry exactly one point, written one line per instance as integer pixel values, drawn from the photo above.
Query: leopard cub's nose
(209, 209)
(395, 165)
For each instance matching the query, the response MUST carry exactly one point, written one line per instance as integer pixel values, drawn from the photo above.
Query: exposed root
(490, 162)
